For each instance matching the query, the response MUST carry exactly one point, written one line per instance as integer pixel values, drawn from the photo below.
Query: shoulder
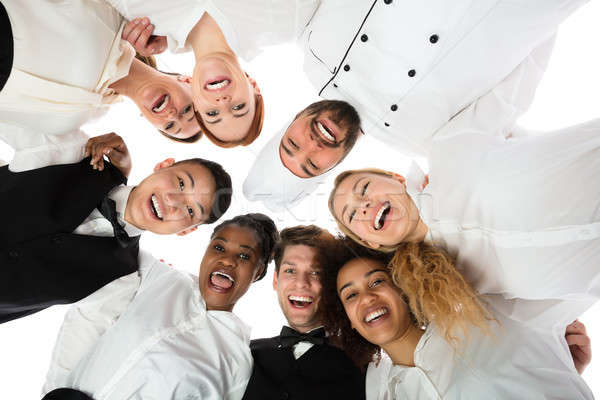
(264, 343)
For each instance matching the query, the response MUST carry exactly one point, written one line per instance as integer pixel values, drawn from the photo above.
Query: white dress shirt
(433, 58)
(516, 363)
(149, 336)
(65, 56)
(247, 25)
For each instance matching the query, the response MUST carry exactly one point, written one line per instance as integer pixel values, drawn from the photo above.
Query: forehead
(236, 235)
(299, 254)
(356, 269)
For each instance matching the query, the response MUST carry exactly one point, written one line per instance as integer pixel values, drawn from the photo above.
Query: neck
(206, 38)
(419, 231)
(139, 73)
(402, 350)
(127, 214)
(306, 328)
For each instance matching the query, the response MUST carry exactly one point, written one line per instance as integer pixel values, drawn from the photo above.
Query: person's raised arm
(113, 147)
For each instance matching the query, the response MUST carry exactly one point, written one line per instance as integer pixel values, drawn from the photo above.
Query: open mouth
(381, 215)
(326, 131)
(376, 315)
(217, 84)
(161, 103)
(221, 281)
(300, 301)
(155, 206)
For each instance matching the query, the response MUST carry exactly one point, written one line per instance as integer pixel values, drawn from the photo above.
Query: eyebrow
(214, 122)
(241, 115)
(306, 171)
(288, 151)
(371, 272)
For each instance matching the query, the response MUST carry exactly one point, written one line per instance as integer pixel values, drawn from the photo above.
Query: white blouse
(515, 363)
(65, 57)
(149, 336)
(248, 25)
(433, 58)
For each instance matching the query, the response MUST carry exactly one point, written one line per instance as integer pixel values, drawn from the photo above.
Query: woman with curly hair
(164, 334)
(441, 341)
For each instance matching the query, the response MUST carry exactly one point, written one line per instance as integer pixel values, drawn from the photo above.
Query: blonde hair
(343, 228)
(437, 292)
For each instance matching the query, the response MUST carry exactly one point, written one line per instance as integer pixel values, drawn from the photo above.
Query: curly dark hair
(265, 230)
(337, 324)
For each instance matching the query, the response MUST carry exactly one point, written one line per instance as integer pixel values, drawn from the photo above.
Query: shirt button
(412, 73)
(434, 38)
(335, 85)
(386, 124)
(394, 107)
(364, 38)
(387, 1)
(346, 68)
(13, 254)
(279, 346)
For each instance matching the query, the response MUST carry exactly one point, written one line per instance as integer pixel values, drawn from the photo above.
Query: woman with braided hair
(164, 334)
(441, 340)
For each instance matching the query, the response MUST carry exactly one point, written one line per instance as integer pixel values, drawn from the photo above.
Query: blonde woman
(441, 341)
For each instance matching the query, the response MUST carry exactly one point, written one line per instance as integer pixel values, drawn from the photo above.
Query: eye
(312, 165)
(181, 184)
(352, 214)
(187, 109)
(293, 144)
(190, 211)
(169, 125)
(238, 107)
(244, 256)
(212, 113)
(289, 271)
(364, 189)
(315, 275)
(350, 296)
(377, 282)
(219, 248)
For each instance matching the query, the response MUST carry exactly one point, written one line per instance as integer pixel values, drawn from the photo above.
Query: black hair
(265, 230)
(222, 195)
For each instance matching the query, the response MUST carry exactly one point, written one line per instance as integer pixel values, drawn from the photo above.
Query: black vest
(41, 261)
(323, 372)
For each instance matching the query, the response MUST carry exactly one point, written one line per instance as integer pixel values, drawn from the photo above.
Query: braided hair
(265, 231)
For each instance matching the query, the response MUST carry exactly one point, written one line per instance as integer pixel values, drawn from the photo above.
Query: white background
(569, 94)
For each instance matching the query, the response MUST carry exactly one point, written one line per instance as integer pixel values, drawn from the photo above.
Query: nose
(175, 205)
(172, 113)
(303, 280)
(229, 260)
(225, 98)
(364, 206)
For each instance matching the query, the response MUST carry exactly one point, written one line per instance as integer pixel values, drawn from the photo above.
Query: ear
(275, 280)
(258, 272)
(186, 231)
(164, 164)
(372, 245)
(253, 83)
(398, 177)
(184, 78)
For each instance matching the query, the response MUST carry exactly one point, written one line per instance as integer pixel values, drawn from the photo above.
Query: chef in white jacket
(410, 67)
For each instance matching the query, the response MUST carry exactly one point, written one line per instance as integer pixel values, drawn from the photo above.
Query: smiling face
(372, 302)
(376, 208)
(224, 97)
(230, 264)
(298, 286)
(172, 199)
(166, 101)
(319, 138)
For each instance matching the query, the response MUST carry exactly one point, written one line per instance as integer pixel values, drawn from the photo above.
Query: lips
(300, 301)
(381, 215)
(161, 103)
(221, 281)
(218, 83)
(155, 207)
(327, 130)
(376, 314)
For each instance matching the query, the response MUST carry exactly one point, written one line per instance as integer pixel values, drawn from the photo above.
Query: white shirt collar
(120, 195)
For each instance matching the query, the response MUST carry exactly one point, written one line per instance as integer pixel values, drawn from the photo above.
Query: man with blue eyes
(299, 363)
(76, 227)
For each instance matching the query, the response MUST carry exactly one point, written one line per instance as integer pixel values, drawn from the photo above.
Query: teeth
(303, 299)
(378, 223)
(223, 274)
(156, 206)
(162, 105)
(217, 85)
(325, 132)
(375, 314)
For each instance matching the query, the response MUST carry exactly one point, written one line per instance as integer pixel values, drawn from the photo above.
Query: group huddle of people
(463, 283)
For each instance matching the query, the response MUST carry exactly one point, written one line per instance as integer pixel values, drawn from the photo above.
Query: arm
(113, 147)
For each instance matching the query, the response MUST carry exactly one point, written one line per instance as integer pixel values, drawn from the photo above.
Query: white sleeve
(85, 322)
(496, 112)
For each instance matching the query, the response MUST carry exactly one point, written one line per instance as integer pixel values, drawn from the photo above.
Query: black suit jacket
(41, 261)
(6, 47)
(323, 372)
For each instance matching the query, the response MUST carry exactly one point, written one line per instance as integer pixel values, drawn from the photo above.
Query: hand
(579, 345)
(113, 147)
(138, 32)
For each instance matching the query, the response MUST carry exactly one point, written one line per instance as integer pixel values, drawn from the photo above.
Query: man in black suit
(70, 229)
(299, 363)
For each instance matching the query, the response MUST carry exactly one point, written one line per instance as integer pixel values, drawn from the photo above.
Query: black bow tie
(290, 337)
(108, 209)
